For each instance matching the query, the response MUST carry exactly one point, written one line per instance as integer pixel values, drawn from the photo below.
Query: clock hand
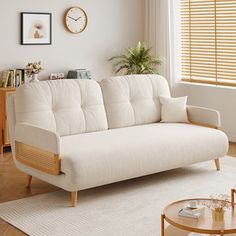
(72, 18)
(78, 18)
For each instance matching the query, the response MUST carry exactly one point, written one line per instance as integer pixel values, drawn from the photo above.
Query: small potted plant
(33, 69)
(137, 60)
(218, 204)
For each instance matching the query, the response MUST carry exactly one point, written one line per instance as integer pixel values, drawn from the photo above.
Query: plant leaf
(137, 60)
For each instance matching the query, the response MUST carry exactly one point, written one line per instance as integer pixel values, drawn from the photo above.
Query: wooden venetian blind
(209, 41)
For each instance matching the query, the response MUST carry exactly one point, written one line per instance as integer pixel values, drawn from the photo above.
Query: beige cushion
(174, 110)
(134, 99)
(98, 158)
(66, 106)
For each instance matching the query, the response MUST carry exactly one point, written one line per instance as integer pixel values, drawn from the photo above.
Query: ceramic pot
(218, 215)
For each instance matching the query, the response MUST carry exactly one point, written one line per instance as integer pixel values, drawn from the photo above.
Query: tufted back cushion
(134, 99)
(63, 106)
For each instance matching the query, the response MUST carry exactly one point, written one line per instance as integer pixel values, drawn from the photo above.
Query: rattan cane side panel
(37, 158)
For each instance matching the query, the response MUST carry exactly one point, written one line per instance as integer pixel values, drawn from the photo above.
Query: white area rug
(130, 208)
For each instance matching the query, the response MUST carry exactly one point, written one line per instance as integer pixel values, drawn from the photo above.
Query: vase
(218, 215)
(34, 78)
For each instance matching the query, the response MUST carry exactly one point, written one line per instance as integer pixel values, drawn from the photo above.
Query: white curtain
(158, 27)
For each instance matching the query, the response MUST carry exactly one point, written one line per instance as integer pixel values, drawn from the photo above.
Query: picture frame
(36, 28)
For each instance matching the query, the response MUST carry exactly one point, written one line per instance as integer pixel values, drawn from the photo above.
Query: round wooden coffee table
(204, 225)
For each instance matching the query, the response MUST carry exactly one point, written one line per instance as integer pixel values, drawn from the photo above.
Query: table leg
(162, 225)
(232, 197)
(222, 233)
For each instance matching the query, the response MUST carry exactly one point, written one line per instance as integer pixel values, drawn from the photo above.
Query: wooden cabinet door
(6, 138)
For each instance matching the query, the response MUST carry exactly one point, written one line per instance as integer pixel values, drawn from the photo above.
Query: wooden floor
(12, 186)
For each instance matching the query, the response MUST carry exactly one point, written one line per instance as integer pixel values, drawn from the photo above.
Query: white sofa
(78, 134)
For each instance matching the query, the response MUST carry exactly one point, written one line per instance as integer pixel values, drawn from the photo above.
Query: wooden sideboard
(4, 135)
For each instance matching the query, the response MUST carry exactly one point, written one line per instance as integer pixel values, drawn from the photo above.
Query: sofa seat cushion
(93, 159)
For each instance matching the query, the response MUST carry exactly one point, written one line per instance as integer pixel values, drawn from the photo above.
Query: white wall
(113, 26)
(219, 98)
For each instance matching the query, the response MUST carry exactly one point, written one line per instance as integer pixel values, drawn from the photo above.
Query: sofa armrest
(37, 137)
(204, 116)
(38, 148)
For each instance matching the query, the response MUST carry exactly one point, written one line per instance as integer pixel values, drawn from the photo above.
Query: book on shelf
(4, 76)
(6, 81)
(12, 78)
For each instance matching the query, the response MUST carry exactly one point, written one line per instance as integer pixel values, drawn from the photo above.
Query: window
(209, 41)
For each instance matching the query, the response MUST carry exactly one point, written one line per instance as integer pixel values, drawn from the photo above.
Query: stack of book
(195, 212)
(12, 78)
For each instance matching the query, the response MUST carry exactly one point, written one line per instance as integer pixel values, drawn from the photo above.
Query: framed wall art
(36, 28)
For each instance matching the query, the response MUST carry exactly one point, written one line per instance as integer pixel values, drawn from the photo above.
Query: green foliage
(136, 60)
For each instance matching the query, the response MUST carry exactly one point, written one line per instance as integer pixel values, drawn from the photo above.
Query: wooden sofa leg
(74, 199)
(29, 178)
(217, 163)
(232, 197)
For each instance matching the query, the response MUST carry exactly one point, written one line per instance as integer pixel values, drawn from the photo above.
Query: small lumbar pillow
(174, 110)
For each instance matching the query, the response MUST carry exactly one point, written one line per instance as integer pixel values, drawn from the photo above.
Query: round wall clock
(75, 20)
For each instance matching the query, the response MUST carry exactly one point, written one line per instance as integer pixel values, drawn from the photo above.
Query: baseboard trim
(231, 137)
